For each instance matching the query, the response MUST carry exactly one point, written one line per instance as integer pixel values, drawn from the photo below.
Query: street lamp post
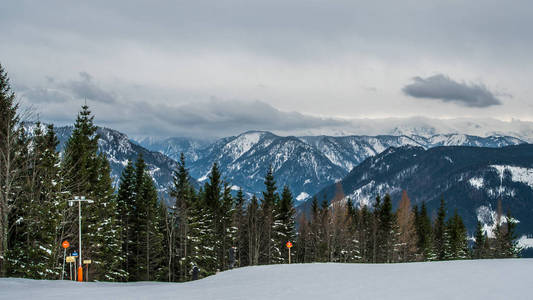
(71, 202)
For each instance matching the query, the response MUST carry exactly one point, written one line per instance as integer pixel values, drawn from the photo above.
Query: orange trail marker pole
(80, 273)
(65, 245)
(289, 246)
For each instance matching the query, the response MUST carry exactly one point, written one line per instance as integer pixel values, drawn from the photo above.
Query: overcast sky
(214, 68)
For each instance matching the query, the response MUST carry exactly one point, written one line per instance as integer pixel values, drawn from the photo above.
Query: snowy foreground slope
(481, 279)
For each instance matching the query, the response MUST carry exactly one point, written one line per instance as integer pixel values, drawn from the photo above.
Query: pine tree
(425, 234)
(268, 204)
(179, 222)
(88, 174)
(125, 208)
(227, 231)
(458, 242)
(240, 223)
(213, 190)
(11, 166)
(505, 238)
(36, 248)
(202, 236)
(150, 252)
(103, 232)
(286, 221)
(440, 234)
(254, 230)
(479, 250)
(386, 231)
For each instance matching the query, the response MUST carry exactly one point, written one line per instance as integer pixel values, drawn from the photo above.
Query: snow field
(479, 279)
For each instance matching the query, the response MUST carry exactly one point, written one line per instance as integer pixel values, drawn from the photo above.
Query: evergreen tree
(479, 250)
(425, 234)
(456, 231)
(227, 230)
(440, 233)
(386, 231)
(88, 174)
(179, 223)
(11, 165)
(268, 204)
(102, 234)
(505, 245)
(240, 224)
(202, 236)
(36, 247)
(213, 200)
(150, 252)
(125, 208)
(286, 220)
(254, 230)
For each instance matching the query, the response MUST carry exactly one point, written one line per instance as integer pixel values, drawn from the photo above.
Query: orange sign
(65, 244)
(289, 245)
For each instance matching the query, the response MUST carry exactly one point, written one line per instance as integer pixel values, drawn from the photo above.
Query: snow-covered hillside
(476, 279)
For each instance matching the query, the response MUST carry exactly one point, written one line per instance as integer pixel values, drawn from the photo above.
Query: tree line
(136, 234)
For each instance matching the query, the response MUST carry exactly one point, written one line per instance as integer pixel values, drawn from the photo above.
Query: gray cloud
(44, 95)
(442, 87)
(216, 117)
(157, 63)
(86, 88)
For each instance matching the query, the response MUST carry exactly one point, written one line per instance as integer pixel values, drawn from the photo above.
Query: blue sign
(75, 253)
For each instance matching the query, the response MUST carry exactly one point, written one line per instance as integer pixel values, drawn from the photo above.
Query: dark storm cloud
(85, 88)
(442, 87)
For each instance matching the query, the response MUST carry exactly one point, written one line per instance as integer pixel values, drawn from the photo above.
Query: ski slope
(480, 279)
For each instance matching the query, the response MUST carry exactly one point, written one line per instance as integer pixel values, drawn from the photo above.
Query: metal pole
(64, 257)
(79, 222)
(289, 256)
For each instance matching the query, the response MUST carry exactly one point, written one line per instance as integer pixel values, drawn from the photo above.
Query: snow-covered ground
(481, 279)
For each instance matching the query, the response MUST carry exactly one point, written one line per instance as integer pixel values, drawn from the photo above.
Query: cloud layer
(442, 87)
(213, 68)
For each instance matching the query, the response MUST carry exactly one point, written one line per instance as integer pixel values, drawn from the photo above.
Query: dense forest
(130, 234)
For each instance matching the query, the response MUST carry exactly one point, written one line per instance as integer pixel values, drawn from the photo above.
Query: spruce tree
(36, 248)
(11, 166)
(213, 190)
(386, 231)
(150, 252)
(479, 242)
(88, 174)
(425, 235)
(240, 224)
(102, 237)
(202, 236)
(286, 221)
(440, 233)
(178, 228)
(268, 204)
(125, 208)
(254, 230)
(456, 232)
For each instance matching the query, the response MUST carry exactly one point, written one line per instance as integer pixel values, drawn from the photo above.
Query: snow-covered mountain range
(471, 180)
(119, 149)
(306, 164)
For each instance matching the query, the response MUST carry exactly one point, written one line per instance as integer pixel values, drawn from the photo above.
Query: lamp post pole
(71, 202)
